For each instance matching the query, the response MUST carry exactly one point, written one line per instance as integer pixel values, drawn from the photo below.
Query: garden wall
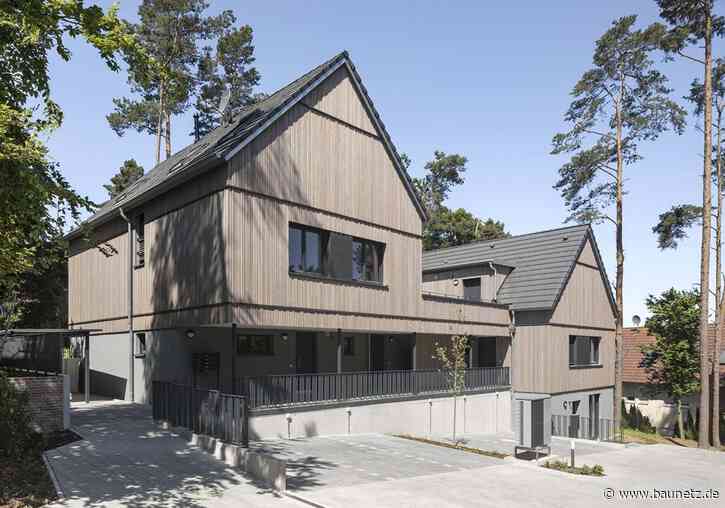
(49, 401)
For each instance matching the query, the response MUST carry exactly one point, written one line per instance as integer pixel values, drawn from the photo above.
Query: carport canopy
(58, 334)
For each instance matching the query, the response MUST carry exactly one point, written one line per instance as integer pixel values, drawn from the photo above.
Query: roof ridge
(512, 237)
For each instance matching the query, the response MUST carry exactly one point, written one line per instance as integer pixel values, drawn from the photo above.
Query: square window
(583, 351)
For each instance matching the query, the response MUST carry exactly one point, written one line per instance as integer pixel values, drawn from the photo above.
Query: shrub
(16, 434)
(634, 419)
(560, 465)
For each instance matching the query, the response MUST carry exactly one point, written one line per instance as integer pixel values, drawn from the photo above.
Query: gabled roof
(542, 262)
(221, 144)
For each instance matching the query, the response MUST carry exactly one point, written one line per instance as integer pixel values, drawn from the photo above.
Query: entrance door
(377, 352)
(487, 352)
(306, 346)
(574, 418)
(594, 416)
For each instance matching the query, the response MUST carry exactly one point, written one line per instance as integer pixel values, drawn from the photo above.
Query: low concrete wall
(265, 468)
(269, 470)
(49, 401)
(480, 413)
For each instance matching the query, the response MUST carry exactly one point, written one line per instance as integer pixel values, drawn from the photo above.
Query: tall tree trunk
(167, 130)
(618, 349)
(160, 124)
(703, 438)
(720, 304)
(680, 422)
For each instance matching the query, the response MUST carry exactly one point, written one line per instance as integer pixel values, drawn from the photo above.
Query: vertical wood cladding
(224, 254)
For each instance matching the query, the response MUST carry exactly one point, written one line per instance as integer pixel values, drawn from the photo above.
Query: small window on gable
(472, 288)
(139, 249)
(140, 345)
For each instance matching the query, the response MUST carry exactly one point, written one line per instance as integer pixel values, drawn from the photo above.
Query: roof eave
(187, 174)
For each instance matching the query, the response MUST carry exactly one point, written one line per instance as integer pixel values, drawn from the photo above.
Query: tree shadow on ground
(126, 459)
(304, 472)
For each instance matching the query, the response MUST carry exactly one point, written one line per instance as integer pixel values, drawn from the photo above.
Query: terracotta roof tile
(634, 339)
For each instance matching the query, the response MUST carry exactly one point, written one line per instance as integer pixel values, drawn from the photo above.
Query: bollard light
(573, 449)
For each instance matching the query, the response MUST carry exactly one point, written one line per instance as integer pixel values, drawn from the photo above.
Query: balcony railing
(297, 389)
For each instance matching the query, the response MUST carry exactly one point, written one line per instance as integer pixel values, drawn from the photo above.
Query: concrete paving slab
(354, 460)
(126, 460)
(631, 472)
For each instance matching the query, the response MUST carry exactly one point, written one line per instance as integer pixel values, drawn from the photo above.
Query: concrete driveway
(363, 459)
(516, 483)
(126, 460)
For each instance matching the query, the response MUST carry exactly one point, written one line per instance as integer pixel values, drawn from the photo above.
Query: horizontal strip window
(583, 351)
(255, 345)
(334, 255)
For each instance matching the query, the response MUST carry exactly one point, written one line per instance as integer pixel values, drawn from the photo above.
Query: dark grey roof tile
(541, 263)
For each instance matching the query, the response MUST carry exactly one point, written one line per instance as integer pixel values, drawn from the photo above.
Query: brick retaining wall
(45, 400)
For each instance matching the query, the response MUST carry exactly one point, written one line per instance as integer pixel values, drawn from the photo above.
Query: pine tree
(673, 224)
(128, 173)
(230, 67)
(621, 101)
(693, 23)
(446, 227)
(172, 31)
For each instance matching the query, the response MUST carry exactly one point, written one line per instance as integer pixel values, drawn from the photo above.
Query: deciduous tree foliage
(446, 227)
(127, 174)
(618, 103)
(452, 358)
(36, 202)
(693, 23)
(672, 362)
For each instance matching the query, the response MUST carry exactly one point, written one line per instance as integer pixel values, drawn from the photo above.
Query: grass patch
(560, 465)
(640, 437)
(25, 482)
(454, 446)
(647, 438)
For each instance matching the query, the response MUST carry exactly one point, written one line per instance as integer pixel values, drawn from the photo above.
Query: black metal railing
(581, 427)
(291, 389)
(208, 412)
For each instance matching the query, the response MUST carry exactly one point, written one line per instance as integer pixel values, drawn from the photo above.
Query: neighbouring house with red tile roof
(659, 408)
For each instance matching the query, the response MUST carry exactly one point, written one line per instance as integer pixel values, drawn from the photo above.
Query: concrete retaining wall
(263, 467)
(482, 413)
(49, 400)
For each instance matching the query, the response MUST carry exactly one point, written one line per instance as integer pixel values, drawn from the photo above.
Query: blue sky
(487, 80)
